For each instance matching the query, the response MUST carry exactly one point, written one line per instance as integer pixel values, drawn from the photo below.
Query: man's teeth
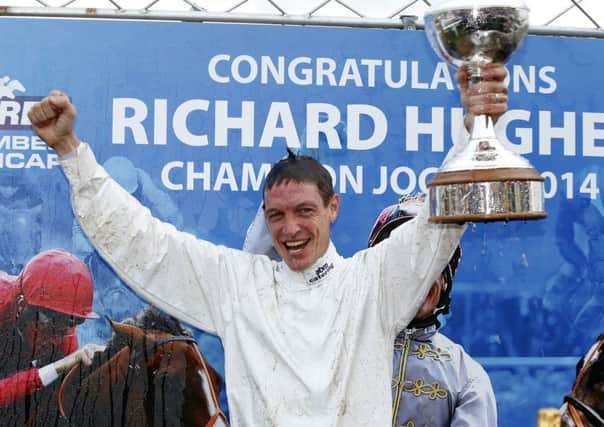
(295, 245)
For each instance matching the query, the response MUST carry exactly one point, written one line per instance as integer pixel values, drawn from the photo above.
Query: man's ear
(334, 207)
(435, 291)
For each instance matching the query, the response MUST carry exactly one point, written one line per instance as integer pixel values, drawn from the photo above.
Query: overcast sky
(559, 13)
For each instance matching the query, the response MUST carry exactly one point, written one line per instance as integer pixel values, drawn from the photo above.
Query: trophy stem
(482, 128)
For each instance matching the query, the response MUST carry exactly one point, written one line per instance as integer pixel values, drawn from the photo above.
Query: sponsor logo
(14, 107)
(18, 149)
(8, 87)
(321, 272)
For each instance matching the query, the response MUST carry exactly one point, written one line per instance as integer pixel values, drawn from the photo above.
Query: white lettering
(165, 175)
(248, 62)
(322, 119)
(546, 77)
(225, 176)
(351, 72)
(279, 113)
(415, 83)
(355, 180)
(249, 176)
(442, 75)
(179, 122)
(122, 121)
(212, 68)
(434, 128)
(160, 124)
(306, 74)
(355, 112)
(277, 72)
(402, 81)
(566, 133)
(326, 67)
(223, 122)
(592, 132)
(524, 135)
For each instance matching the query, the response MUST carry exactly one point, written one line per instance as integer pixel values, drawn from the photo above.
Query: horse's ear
(125, 329)
(111, 322)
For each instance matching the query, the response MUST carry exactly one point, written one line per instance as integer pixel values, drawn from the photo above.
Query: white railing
(401, 14)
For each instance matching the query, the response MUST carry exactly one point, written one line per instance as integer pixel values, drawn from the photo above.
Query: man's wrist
(68, 146)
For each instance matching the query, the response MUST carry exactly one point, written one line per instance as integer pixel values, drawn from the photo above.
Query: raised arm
(188, 278)
(417, 252)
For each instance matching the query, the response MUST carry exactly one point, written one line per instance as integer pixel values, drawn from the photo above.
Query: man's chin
(297, 264)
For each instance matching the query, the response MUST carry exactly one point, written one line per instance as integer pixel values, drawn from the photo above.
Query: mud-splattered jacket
(302, 348)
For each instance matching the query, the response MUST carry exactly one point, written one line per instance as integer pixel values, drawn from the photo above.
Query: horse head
(584, 405)
(146, 377)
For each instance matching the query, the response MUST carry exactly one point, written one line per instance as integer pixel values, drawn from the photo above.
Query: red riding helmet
(393, 216)
(59, 281)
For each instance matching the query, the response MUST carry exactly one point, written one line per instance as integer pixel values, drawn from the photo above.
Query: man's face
(299, 222)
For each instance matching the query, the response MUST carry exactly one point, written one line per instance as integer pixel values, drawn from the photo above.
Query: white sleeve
(414, 256)
(189, 278)
(409, 261)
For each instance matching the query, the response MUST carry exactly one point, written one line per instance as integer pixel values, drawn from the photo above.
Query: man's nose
(290, 225)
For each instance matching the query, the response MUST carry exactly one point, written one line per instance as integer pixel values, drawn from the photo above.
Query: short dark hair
(300, 169)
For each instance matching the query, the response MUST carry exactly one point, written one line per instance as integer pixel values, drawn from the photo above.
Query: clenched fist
(489, 96)
(52, 119)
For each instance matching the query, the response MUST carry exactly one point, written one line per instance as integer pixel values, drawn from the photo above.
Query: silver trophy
(483, 181)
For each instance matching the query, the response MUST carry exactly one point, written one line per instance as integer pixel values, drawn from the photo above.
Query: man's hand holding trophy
(483, 181)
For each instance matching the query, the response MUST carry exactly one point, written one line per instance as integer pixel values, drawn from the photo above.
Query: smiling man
(300, 206)
(307, 340)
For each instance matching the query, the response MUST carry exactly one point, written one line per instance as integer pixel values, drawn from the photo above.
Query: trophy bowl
(483, 181)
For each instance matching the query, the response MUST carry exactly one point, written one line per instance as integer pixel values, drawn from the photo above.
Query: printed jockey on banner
(39, 313)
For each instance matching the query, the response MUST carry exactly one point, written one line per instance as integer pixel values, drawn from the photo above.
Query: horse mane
(149, 318)
(153, 318)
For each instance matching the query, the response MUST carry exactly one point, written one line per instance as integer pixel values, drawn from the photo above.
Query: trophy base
(486, 195)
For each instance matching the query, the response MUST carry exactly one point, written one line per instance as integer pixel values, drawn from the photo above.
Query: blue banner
(189, 117)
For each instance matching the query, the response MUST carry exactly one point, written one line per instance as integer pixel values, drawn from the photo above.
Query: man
(39, 313)
(435, 382)
(307, 341)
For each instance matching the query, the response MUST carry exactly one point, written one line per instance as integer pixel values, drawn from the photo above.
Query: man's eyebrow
(271, 210)
(306, 205)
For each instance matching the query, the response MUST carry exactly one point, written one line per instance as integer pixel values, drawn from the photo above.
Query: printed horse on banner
(151, 374)
(584, 405)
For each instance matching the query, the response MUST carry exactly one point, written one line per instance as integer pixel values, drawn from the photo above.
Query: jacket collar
(418, 334)
(315, 275)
